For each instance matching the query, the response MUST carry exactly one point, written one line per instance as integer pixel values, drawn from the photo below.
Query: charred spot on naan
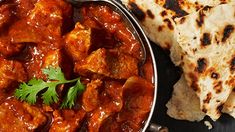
(218, 87)
(197, 6)
(182, 20)
(163, 13)
(169, 24)
(200, 19)
(230, 81)
(232, 64)
(201, 65)
(204, 109)
(139, 13)
(206, 39)
(160, 28)
(216, 40)
(215, 75)
(228, 30)
(194, 84)
(150, 14)
(174, 5)
(201, 15)
(223, 1)
(208, 98)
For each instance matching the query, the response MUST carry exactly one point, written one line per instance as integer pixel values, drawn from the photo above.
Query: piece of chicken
(16, 115)
(111, 64)
(43, 24)
(11, 71)
(40, 59)
(90, 97)
(78, 42)
(5, 14)
(111, 103)
(137, 96)
(8, 49)
(67, 120)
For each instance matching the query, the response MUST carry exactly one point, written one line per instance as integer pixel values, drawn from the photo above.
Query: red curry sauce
(36, 34)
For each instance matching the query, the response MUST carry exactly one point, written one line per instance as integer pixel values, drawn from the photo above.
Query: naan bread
(184, 104)
(206, 41)
(157, 16)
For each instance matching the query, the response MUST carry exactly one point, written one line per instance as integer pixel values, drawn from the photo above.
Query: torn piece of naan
(184, 104)
(206, 41)
(157, 16)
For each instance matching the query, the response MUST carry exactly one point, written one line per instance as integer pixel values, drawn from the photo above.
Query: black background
(168, 75)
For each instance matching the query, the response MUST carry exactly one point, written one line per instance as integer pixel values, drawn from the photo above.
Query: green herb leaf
(50, 96)
(54, 73)
(72, 95)
(29, 92)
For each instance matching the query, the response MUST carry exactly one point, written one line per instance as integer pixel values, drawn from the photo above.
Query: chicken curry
(60, 74)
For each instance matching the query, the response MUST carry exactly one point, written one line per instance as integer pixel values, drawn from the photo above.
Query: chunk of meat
(112, 103)
(22, 32)
(113, 23)
(43, 24)
(23, 7)
(15, 116)
(8, 49)
(48, 14)
(68, 121)
(138, 97)
(100, 37)
(78, 42)
(5, 14)
(114, 91)
(90, 97)
(52, 58)
(108, 63)
(41, 58)
(95, 63)
(11, 71)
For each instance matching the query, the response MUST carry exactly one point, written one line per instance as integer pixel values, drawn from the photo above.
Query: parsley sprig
(29, 92)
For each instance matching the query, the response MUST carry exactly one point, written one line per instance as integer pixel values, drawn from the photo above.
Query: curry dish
(46, 42)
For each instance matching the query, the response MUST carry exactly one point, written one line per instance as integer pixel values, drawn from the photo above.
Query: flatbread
(207, 51)
(184, 104)
(157, 16)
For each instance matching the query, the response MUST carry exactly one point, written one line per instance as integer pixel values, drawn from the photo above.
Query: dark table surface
(168, 75)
